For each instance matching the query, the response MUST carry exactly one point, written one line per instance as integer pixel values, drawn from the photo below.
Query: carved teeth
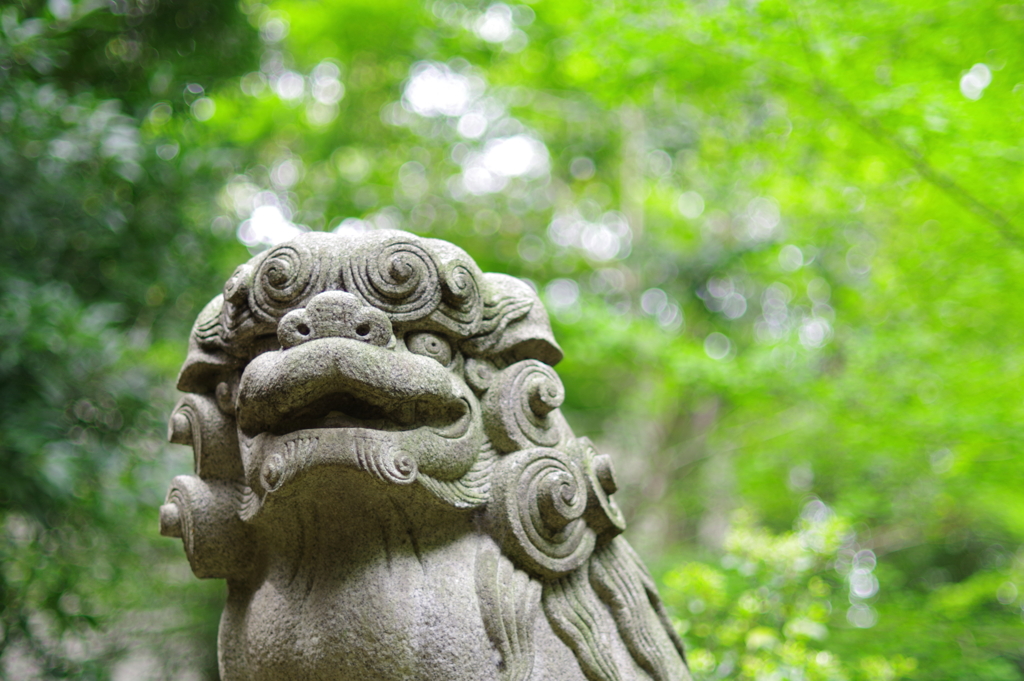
(339, 419)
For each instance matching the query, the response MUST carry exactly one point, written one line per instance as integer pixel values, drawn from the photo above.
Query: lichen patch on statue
(385, 479)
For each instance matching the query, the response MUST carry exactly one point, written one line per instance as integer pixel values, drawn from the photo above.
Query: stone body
(385, 480)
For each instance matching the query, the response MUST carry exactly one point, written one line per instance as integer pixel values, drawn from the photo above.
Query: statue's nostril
(302, 329)
(363, 329)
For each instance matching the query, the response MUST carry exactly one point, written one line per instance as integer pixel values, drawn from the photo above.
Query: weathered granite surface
(385, 480)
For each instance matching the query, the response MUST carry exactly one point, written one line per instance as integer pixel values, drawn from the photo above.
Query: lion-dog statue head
(385, 480)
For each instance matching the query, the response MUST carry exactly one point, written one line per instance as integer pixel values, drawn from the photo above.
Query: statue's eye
(430, 345)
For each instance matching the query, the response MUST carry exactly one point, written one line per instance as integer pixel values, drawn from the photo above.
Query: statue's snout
(338, 346)
(334, 314)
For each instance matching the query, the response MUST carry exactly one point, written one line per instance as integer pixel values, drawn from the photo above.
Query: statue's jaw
(340, 438)
(274, 461)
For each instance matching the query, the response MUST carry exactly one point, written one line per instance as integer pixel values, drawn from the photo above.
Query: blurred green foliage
(780, 241)
(765, 612)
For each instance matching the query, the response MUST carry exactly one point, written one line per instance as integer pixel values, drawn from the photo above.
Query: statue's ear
(515, 324)
(207, 363)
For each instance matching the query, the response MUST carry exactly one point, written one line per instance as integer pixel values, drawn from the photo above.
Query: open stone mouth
(343, 410)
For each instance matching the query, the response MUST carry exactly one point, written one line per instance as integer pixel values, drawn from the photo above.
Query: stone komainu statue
(385, 480)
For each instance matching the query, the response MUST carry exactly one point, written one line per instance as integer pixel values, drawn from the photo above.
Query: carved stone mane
(385, 480)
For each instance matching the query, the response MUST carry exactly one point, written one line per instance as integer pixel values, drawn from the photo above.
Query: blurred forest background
(781, 243)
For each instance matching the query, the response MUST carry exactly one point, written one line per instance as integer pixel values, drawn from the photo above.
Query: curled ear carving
(521, 407)
(603, 514)
(236, 288)
(209, 360)
(514, 326)
(204, 514)
(198, 422)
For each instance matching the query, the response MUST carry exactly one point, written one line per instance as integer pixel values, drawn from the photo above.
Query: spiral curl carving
(388, 463)
(285, 279)
(281, 466)
(537, 511)
(522, 407)
(400, 278)
(461, 295)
